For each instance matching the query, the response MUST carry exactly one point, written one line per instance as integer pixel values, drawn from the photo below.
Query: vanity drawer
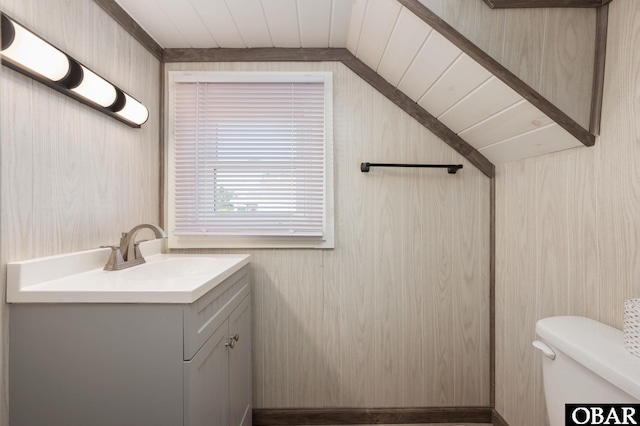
(203, 317)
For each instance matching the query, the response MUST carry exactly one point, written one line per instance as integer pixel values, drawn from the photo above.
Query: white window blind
(249, 159)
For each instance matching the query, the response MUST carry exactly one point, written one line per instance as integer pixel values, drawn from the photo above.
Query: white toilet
(584, 361)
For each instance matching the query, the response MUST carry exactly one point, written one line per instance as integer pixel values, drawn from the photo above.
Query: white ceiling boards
(411, 48)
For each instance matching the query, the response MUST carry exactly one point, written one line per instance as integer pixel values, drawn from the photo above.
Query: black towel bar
(451, 168)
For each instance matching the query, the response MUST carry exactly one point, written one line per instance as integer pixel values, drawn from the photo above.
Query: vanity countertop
(78, 277)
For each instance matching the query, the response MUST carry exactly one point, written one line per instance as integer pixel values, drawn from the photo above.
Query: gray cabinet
(134, 364)
(217, 379)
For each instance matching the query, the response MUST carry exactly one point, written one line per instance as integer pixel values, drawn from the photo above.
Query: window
(250, 159)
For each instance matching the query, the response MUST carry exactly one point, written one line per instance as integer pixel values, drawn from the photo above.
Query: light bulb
(95, 88)
(133, 111)
(32, 53)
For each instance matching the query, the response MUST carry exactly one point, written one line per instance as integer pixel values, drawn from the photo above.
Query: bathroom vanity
(164, 343)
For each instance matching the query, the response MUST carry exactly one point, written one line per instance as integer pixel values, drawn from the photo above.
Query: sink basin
(172, 268)
(79, 277)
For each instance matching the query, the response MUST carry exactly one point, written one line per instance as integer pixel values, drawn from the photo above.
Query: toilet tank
(591, 365)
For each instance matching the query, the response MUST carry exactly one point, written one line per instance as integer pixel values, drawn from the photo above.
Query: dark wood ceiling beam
(268, 54)
(519, 4)
(497, 69)
(602, 24)
(119, 15)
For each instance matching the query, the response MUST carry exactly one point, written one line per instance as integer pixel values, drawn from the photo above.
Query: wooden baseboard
(349, 416)
(497, 420)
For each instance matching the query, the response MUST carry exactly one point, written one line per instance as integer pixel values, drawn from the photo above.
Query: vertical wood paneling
(584, 250)
(370, 323)
(71, 177)
(388, 269)
(489, 34)
(469, 212)
(415, 286)
(438, 346)
(569, 40)
(516, 241)
(524, 41)
(585, 213)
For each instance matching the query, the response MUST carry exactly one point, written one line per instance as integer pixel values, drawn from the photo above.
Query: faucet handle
(115, 258)
(136, 249)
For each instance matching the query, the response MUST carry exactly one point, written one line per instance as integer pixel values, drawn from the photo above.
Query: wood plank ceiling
(463, 94)
(243, 23)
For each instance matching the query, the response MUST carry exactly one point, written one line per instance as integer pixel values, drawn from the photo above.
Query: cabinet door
(206, 387)
(240, 364)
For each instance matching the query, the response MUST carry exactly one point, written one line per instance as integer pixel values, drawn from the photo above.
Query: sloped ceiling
(243, 23)
(470, 96)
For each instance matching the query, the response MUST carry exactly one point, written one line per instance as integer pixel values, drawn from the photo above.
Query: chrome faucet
(128, 253)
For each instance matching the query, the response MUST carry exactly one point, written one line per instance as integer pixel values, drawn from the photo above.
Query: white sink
(173, 267)
(79, 278)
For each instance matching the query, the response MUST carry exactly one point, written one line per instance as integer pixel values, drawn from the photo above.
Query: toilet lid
(595, 345)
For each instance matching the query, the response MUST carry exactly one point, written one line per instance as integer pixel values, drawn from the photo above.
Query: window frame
(327, 241)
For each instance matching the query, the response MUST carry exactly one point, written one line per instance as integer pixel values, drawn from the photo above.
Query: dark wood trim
(161, 136)
(499, 71)
(492, 292)
(512, 4)
(270, 54)
(602, 24)
(497, 420)
(420, 114)
(348, 416)
(119, 15)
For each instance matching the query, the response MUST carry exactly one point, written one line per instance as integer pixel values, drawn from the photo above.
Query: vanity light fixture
(29, 54)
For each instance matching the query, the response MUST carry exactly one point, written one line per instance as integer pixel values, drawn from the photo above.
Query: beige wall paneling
(570, 38)
(471, 211)
(516, 239)
(619, 201)
(524, 41)
(386, 237)
(364, 324)
(71, 177)
(584, 249)
(583, 205)
(462, 12)
(489, 34)
(350, 277)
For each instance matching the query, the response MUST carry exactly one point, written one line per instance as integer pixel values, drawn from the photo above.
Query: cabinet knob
(235, 337)
(230, 344)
